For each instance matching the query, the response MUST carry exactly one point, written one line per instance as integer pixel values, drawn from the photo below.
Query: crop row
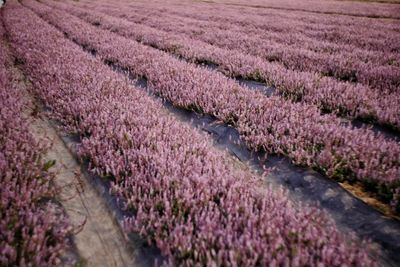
(182, 194)
(367, 34)
(271, 38)
(269, 123)
(31, 232)
(373, 69)
(374, 10)
(283, 47)
(344, 99)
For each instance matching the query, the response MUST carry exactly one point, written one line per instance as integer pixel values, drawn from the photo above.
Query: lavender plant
(377, 69)
(182, 195)
(345, 99)
(297, 131)
(32, 232)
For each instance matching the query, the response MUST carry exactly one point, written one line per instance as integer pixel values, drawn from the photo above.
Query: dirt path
(99, 239)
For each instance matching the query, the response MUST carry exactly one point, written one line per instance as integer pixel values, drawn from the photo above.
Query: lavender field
(200, 133)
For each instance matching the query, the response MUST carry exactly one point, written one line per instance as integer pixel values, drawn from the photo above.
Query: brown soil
(370, 199)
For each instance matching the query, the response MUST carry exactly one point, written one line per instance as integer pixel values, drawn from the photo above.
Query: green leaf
(48, 165)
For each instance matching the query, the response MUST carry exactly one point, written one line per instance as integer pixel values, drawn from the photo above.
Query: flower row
(32, 233)
(368, 34)
(329, 95)
(288, 33)
(270, 123)
(182, 194)
(380, 70)
(374, 10)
